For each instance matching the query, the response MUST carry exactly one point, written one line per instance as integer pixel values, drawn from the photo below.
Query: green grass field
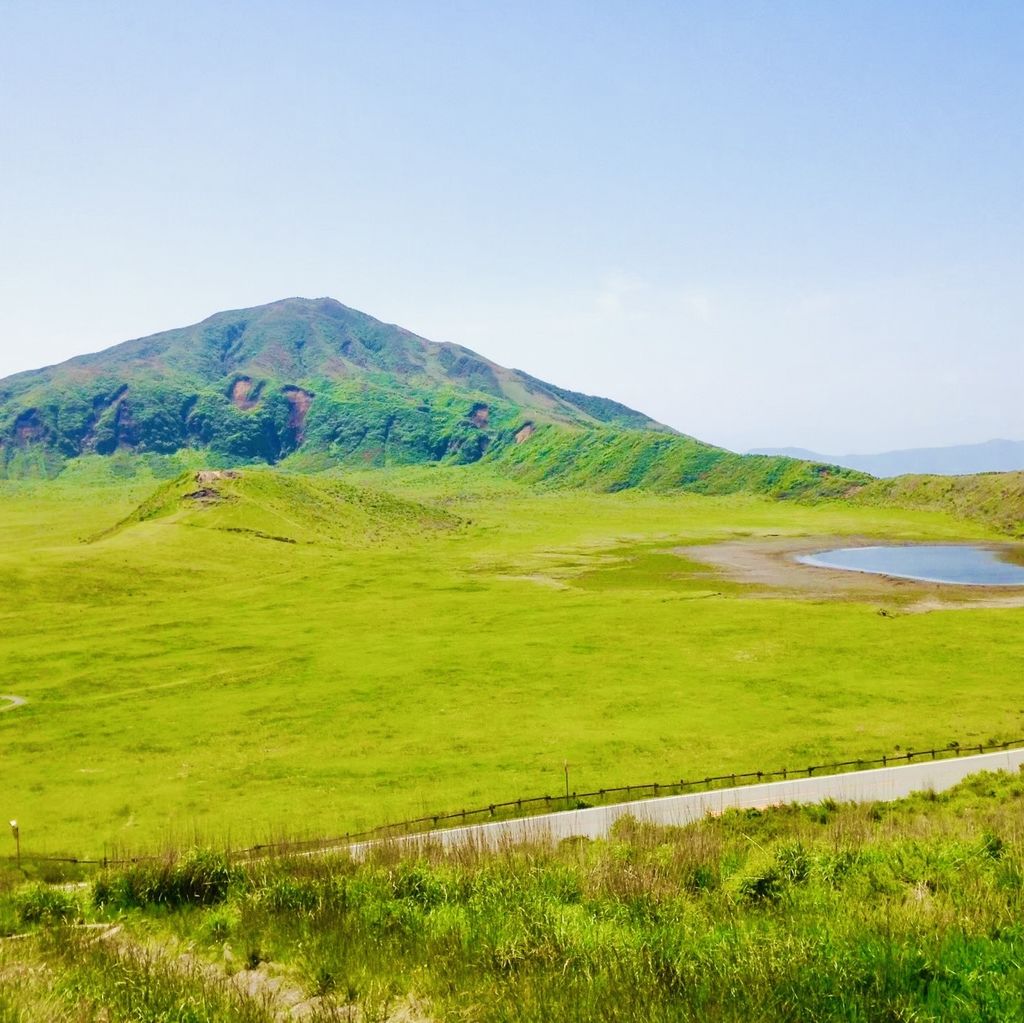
(188, 676)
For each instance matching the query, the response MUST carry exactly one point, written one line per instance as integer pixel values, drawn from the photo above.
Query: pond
(958, 564)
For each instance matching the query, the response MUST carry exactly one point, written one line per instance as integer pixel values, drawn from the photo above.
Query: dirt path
(771, 566)
(12, 701)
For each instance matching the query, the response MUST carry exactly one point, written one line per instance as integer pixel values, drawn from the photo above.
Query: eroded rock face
(525, 433)
(243, 395)
(300, 401)
(480, 416)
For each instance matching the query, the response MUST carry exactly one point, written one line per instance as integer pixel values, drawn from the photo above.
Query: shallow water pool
(957, 564)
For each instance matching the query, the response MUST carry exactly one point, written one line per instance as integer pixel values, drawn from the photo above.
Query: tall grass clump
(40, 903)
(200, 877)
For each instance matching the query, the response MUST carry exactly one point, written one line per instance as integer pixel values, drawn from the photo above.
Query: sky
(791, 223)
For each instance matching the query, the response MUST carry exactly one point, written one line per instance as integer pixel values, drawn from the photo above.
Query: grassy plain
(187, 682)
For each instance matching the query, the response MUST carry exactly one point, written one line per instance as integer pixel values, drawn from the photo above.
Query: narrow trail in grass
(12, 702)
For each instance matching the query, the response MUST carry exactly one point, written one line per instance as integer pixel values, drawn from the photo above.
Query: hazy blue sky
(763, 223)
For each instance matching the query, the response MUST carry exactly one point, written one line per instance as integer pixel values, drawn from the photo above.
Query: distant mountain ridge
(957, 460)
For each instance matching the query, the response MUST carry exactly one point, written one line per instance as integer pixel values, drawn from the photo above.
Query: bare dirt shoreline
(770, 565)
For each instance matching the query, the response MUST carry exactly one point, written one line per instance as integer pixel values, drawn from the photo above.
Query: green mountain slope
(612, 460)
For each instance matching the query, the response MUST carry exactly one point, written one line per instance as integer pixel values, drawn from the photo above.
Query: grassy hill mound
(287, 508)
(995, 498)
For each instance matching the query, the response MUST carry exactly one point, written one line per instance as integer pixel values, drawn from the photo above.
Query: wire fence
(538, 805)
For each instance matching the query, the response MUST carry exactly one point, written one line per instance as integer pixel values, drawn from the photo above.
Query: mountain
(326, 385)
(259, 383)
(958, 460)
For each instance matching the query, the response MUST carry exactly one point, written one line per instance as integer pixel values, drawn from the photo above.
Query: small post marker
(17, 841)
(565, 764)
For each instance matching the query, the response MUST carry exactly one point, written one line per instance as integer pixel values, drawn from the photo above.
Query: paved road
(13, 701)
(880, 785)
